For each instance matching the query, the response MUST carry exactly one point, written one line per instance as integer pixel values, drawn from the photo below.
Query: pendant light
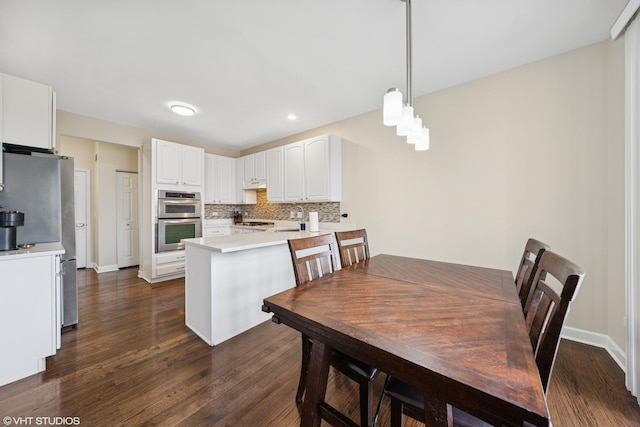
(395, 113)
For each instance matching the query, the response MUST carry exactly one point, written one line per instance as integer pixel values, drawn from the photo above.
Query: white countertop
(241, 242)
(40, 249)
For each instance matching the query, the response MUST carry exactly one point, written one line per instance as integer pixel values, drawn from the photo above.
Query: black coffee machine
(9, 220)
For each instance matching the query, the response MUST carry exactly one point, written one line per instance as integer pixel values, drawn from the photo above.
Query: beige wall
(102, 160)
(534, 151)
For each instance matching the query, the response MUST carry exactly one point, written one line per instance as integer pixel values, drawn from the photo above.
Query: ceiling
(245, 65)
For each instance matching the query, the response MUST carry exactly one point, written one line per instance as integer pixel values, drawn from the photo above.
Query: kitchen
(470, 184)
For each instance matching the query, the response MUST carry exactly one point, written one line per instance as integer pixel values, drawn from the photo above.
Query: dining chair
(533, 250)
(314, 257)
(554, 286)
(353, 246)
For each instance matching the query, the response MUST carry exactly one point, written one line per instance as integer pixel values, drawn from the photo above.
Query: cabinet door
(249, 168)
(317, 169)
(275, 169)
(293, 172)
(210, 172)
(260, 167)
(226, 185)
(168, 163)
(192, 166)
(27, 113)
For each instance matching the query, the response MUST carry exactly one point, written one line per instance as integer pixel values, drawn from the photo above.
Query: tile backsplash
(327, 211)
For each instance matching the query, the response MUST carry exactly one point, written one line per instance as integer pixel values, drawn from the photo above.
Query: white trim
(596, 340)
(625, 18)
(104, 269)
(632, 209)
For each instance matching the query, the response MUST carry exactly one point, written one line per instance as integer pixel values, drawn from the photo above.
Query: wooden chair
(533, 250)
(353, 246)
(312, 258)
(548, 307)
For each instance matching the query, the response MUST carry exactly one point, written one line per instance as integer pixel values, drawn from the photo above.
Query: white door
(82, 180)
(127, 219)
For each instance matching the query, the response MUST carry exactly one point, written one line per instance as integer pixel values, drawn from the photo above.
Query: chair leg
(304, 368)
(366, 402)
(397, 417)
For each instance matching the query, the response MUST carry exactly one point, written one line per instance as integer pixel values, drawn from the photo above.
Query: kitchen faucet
(302, 224)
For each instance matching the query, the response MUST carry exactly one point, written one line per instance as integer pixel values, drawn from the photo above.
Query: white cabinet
(313, 170)
(170, 263)
(218, 230)
(243, 197)
(178, 165)
(220, 179)
(28, 112)
(29, 311)
(254, 170)
(275, 190)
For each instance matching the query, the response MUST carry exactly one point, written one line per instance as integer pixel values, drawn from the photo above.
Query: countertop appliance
(179, 217)
(41, 185)
(9, 220)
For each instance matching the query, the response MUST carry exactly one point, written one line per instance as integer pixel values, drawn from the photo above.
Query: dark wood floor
(131, 361)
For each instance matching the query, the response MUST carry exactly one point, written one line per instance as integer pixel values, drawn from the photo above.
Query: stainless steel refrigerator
(41, 185)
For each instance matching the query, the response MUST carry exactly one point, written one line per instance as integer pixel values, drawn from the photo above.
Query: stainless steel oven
(178, 204)
(178, 218)
(171, 231)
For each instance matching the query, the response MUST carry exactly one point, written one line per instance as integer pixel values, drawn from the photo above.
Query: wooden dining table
(456, 332)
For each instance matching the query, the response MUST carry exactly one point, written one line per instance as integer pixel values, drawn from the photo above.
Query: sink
(285, 230)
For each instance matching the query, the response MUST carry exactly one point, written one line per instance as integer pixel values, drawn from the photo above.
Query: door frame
(89, 215)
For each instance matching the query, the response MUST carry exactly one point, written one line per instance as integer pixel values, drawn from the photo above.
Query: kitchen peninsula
(227, 277)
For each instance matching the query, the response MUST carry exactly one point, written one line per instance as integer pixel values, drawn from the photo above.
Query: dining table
(456, 332)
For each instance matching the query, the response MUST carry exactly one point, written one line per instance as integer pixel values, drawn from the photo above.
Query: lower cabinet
(29, 311)
(170, 263)
(218, 230)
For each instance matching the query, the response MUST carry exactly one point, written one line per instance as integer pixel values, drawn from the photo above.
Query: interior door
(127, 219)
(81, 190)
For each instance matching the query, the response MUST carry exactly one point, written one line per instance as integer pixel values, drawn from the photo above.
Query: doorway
(127, 218)
(82, 197)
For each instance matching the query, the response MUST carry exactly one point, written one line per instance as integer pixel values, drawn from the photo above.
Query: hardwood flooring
(131, 361)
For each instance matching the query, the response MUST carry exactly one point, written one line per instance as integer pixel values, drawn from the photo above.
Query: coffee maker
(9, 221)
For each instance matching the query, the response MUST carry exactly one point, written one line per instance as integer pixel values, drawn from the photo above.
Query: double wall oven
(178, 218)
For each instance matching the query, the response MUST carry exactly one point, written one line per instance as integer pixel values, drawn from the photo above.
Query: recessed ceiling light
(291, 116)
(183, 110)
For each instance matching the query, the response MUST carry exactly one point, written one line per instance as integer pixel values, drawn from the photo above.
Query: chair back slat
(353, 246)
(533, 250)
(313, 257)
(548, 307)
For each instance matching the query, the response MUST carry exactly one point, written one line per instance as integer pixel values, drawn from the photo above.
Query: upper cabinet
(275, 191)
(254, 170)
(220, 179)
(28, 111)
(312, 170)
(178, 165)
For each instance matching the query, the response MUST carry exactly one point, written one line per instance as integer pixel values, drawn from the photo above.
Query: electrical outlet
(298, 214)
(214, 213)
(292, 215)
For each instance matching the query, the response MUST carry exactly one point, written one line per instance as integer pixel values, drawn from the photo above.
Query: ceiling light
(183, 110)
(395, 113)
(291, 116)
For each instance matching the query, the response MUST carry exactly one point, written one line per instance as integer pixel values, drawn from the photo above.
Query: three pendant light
(400, 114)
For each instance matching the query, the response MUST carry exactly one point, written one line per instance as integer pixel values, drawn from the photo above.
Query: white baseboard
(104, 269)
(597, 340)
